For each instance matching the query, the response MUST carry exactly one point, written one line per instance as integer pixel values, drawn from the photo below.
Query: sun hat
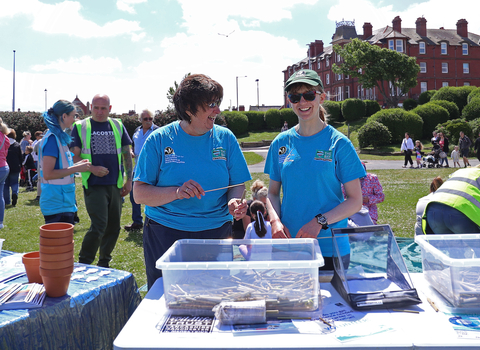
(306, 76)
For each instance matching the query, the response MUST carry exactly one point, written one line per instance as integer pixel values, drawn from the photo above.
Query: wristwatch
(322, 220)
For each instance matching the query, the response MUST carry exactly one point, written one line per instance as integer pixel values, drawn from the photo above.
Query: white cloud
(83, 65)
(126, 5)
(147, 49)
(65, 18)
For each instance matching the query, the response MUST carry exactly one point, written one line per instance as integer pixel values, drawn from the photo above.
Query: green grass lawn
(402, 190)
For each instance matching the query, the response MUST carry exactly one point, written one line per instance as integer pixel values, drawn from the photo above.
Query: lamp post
(237, 88)
(258, 96)
(45, 99)
(13, 101)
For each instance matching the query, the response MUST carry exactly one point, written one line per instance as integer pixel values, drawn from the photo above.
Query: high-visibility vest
(462, 192)
(84, 128)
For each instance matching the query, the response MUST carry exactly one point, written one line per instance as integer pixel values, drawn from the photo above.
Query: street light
(258, 97)
(13, 101)
(45, 99)
(237, 88)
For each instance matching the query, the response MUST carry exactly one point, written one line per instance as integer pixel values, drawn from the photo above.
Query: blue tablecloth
(90, 316)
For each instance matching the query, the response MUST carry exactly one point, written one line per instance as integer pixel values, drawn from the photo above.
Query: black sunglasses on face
(147, 119)
(308, 96)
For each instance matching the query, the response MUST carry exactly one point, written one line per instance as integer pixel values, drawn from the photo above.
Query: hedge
(353, 109)
(457, 95)
(473, 94)
(256, 120)
(334, 111)
(453, 111)
(472, 110)
(289, 116)
(431, 114)
(273, 119)
(452, 129)
(237, 122)
(426, 96)
(399, 121)
(409, 104)
(371, 107)
(374, 134)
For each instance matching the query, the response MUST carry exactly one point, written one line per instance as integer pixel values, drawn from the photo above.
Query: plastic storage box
(199, 274)
(376, 276)
(451, 264)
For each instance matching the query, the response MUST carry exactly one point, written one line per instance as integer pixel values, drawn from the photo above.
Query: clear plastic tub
(451, 264)
(199, 274)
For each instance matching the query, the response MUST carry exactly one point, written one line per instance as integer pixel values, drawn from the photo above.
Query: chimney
(421, 26)
(367, 30)
(318, 47)
(397, 24)
(462, 28)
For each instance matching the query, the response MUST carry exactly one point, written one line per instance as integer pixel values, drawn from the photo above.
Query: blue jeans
(10, 181)
(442, 160)
(158, 238)
(3, 175)
(444, 219)
(136, 210)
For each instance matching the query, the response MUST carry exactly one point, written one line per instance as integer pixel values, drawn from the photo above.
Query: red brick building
(447, 57)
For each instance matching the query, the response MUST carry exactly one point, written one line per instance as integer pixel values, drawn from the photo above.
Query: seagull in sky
(226, 35)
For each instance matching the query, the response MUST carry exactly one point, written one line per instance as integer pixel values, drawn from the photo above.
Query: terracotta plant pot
(56, 230)
(56, 286)
(56, 265)
(56, 249)
(32, 264)
(57, 257)
(55, 241)
(56, 272)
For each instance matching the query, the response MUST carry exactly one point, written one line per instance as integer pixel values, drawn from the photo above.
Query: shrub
(431, 115)
(371, 107)
(353, 109)
(289, 116)
(409, 104)
(473, 94)
(23, 121)
(166, 117)
(237, 122)
(374, 134)
(273, 119)
(475, 125)
(452, 129)
(130, 122)
(399, 121)
(472, 110)
(426, 96)
(256, 120)
(453, 111)
(457, 95)
(334, 111)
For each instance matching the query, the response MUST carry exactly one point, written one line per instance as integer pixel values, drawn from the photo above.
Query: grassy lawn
(252, 158)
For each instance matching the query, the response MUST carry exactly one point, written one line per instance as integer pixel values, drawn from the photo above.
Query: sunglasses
(147, 119)
(308, 96)
(214, 104)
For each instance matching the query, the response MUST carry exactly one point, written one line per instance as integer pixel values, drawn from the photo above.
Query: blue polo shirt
(139, 137)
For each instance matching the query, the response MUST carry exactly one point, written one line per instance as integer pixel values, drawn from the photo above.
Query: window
(347, 91)
(466, 83)
(390, 44)
(347, 76)
(339, 94)
(327, 61)
(466, 68)
(445, 83)
(443, 48)
(399, 45)
(444, 67)
(423, 86)
(328, 95)
(423, 67)
(327, 78)
(339, 77)
(318, 63)
(464, 49)
(339, 58)
(359, 91)
(421, 48)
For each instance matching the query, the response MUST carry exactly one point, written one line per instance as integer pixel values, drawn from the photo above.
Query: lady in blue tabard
(178, 166)
(56, 167)
(310, 162)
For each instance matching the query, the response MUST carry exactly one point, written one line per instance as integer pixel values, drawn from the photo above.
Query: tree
(171, 90)
(377, 67)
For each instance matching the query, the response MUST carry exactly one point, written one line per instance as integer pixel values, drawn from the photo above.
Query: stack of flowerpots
(56, 257)
(32, 266)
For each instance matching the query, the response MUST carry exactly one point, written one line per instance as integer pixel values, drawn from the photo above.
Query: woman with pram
(443, 143)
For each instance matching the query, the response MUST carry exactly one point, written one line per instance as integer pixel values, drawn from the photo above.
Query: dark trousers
(104, 206)
(158, 238)
(408, 157)
(136, 209)
(60, 217)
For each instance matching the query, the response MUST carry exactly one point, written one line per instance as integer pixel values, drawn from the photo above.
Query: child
(257, 229)
(29, 165)
(418, 150)
(456, 157)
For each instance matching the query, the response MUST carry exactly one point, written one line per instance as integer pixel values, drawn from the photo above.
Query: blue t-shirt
(104, 151)
(51, 149)
(311, 171)
(170, 157)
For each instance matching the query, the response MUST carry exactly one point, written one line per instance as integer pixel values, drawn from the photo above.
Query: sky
(134, 50)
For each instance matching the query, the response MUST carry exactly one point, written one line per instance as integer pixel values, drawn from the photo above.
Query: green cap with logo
(306, 76)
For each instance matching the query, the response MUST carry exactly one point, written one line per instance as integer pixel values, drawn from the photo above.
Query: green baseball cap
(306, 76)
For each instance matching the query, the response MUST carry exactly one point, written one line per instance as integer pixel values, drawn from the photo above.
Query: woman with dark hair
(407, 148)
(4, 168)
(190, 174)
(309, 163)
(443, 142)
(56, 167)
(14, 161)
(422, 203)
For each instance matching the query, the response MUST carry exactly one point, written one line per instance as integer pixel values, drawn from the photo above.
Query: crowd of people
(200, 194)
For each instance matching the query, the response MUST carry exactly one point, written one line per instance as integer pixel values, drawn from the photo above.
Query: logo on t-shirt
(169, 150)
(171, 157)
(219, 153)
(103, 142)
(325, 156)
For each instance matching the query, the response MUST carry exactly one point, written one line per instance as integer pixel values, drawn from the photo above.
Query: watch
(322, 220)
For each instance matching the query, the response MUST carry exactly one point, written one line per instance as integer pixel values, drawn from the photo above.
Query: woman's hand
(237, 208)
(82, 166)
(310, 230)
(278, 230)
(190, 189)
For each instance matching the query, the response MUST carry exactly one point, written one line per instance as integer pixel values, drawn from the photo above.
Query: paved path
(371, 164)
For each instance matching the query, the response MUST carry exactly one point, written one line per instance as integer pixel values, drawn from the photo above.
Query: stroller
(432, 160)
